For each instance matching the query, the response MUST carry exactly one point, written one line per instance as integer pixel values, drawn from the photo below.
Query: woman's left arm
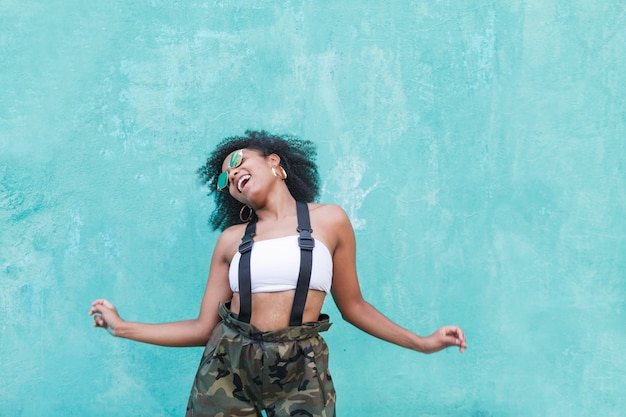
(355, 310)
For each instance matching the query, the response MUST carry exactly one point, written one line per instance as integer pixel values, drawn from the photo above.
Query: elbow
(350, 317)
(346, 317)
(354, 313)
(203, 333)
(202, 339)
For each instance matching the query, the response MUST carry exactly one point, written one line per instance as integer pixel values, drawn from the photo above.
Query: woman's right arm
(195, 332)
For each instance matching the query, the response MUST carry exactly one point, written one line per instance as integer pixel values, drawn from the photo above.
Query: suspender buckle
(246, 244)
(305, 240)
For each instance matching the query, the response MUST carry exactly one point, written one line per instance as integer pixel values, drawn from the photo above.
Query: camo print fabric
(244, 371)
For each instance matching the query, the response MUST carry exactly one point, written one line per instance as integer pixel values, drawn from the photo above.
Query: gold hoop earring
(282, 175)
(250, 213)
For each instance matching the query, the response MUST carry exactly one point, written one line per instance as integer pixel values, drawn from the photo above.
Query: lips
(243, 180)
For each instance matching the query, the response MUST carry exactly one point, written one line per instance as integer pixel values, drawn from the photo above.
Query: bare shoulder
(331, 224)
(328, 214)
(234, 232)
(229, 241)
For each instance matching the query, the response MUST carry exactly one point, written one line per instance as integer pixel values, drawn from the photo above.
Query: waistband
(305, 331)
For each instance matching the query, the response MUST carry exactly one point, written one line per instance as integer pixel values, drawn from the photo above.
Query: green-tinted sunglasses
(234, 162)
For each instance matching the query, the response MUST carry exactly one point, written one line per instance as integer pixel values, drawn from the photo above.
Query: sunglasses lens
(222, 181)
(235, 159)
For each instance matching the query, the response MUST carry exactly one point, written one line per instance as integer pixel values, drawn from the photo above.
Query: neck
(279, 206)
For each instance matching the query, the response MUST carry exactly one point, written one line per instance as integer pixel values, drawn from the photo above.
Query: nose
(232, 173)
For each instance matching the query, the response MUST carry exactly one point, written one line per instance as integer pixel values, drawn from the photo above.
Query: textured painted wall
(478, 147)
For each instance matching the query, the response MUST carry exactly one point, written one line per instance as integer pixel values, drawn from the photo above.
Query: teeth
(241, 181)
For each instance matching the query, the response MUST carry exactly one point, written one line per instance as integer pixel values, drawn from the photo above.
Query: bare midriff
(271, 310)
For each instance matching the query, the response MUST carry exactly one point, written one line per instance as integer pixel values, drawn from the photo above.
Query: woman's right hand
(105, 315)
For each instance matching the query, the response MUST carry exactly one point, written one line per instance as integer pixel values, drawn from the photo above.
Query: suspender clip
(246, 244)
(305, 240)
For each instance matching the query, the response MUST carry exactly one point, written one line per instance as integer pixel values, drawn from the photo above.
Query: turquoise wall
(478, 147)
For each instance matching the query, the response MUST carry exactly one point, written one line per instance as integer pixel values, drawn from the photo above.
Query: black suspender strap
(245, 286)
(306, 243)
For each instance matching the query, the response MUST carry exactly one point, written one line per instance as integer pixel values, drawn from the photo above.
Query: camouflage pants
(244, 371)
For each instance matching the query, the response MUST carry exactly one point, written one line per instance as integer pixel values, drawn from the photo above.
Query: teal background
(478, 148)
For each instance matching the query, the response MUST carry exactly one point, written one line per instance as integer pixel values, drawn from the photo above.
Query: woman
(277, 258)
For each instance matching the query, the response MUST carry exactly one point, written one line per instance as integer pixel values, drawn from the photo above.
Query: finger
(98, 321)
(102, 302)
(455, 337)
(460, 334)
(461, 341)
(101, 305)
(452, 330)
(456, 332)
(95, 310)
(449, 341)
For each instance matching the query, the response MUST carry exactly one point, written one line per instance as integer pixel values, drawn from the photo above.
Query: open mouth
(242, 182)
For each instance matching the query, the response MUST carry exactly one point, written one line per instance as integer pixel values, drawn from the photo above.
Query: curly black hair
(297, 156)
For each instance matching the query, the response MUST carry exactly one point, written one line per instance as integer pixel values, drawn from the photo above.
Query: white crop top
(275, 266)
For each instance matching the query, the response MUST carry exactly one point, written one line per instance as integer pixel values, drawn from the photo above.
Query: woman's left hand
(443, 338)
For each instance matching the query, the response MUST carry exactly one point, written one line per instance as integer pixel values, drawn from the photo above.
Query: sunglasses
(235, 160)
